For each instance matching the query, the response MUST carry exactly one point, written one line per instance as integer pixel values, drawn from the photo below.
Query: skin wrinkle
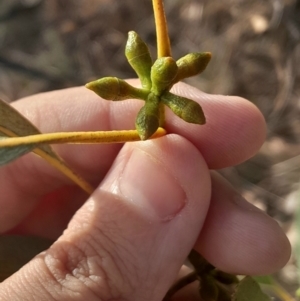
(252, 239)
(118, 249)
(66, 281)
(122, 285)
(87, 278)
(130, 264)
(42, 292)
(91, 244)
(265, 245)
(110, 259)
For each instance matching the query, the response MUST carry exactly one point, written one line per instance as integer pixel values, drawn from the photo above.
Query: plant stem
(181, 283)
(162, 115)
(281, 292)
(78, 137)
(163, 41)
(63, 168)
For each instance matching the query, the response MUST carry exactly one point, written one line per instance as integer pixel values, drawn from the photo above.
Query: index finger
(234, 131)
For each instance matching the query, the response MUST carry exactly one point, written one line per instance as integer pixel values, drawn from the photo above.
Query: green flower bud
(163, 73)
(139, 58)
(147, 120)
(113, 88)
(187, 109)
(192, 64)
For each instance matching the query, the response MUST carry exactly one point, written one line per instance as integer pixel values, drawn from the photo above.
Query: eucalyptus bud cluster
(156, 80)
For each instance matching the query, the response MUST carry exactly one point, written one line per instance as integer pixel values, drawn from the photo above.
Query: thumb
(130, 238)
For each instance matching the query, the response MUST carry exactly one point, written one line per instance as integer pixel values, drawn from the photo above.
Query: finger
(50, 216)
(239, 238)
(234, 131)
(28, 180)
(190, 291)
(74, 109)
(131, 236)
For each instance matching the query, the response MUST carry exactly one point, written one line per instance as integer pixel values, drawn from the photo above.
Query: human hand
(155, 200)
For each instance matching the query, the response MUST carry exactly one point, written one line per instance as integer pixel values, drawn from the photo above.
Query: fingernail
(149, 184)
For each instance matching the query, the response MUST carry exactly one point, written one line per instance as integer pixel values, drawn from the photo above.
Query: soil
(46, 45)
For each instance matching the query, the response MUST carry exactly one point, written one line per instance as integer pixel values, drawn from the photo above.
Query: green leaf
(147, 120)
(16, 251)
(14, 124)
(249, 290)
(139, 58)
(268, 279)
(8, 154)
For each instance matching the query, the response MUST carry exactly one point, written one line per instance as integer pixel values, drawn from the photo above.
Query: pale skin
(153, 201)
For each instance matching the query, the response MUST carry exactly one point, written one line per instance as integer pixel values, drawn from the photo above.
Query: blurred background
(46, 45)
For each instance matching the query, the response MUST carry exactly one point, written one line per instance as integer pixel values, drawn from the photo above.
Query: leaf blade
(248, 290)
(14, 124)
